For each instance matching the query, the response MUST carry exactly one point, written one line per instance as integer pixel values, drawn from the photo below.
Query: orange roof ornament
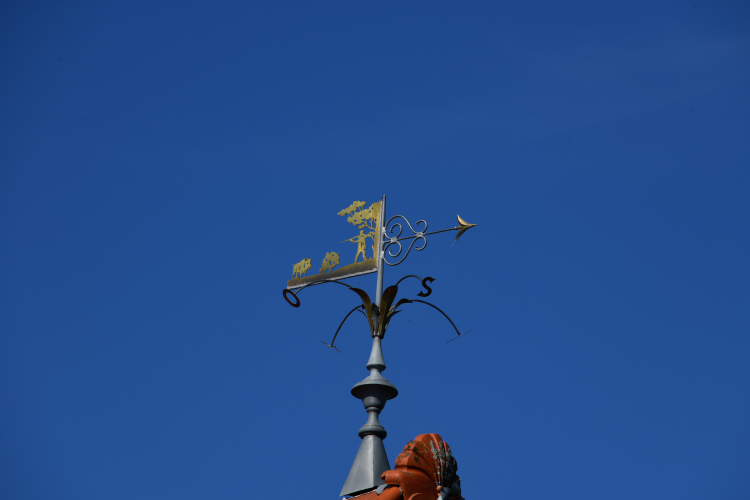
(425, 469)
(386, 242)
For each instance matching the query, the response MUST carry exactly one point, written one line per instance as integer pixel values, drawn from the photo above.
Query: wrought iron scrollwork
(389, 239)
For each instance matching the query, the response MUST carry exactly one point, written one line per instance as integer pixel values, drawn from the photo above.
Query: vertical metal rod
(379, 288)
(376, 363)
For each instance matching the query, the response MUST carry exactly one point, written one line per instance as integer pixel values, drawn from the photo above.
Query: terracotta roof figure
(426, 470)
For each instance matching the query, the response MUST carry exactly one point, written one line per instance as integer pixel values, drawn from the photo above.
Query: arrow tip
(465, 226)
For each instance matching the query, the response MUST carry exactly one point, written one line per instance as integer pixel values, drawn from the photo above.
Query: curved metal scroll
(288, 292)
(446, 317)
(427, 287)
(360, 307)
(389, 228)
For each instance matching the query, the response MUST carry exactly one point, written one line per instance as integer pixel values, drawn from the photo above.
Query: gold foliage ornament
(330, 261)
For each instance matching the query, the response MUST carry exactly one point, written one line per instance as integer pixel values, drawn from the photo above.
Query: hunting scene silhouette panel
(367, 221)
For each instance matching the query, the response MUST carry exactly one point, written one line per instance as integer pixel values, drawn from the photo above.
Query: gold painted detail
(301, 268)
(463, 226)
(330, 261)
(368, 266)
(363, 218)
(367, 220)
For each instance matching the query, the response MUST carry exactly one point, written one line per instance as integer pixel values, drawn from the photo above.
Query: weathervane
(375, 390)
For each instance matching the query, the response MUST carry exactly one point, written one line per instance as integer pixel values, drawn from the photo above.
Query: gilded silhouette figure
(363, 218)
(301, 268)
(330, 261)
(361, 243)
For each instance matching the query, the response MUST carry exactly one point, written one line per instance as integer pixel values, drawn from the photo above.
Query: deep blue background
(162, 166)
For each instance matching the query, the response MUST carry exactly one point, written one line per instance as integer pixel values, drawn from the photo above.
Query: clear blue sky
(163, 165)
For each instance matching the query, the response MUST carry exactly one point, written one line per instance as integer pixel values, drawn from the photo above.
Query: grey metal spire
(371, 460)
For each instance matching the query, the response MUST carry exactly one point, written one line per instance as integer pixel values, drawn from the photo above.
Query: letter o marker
(287, 291)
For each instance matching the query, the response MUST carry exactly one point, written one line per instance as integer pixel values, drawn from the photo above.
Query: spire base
(368, 466)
